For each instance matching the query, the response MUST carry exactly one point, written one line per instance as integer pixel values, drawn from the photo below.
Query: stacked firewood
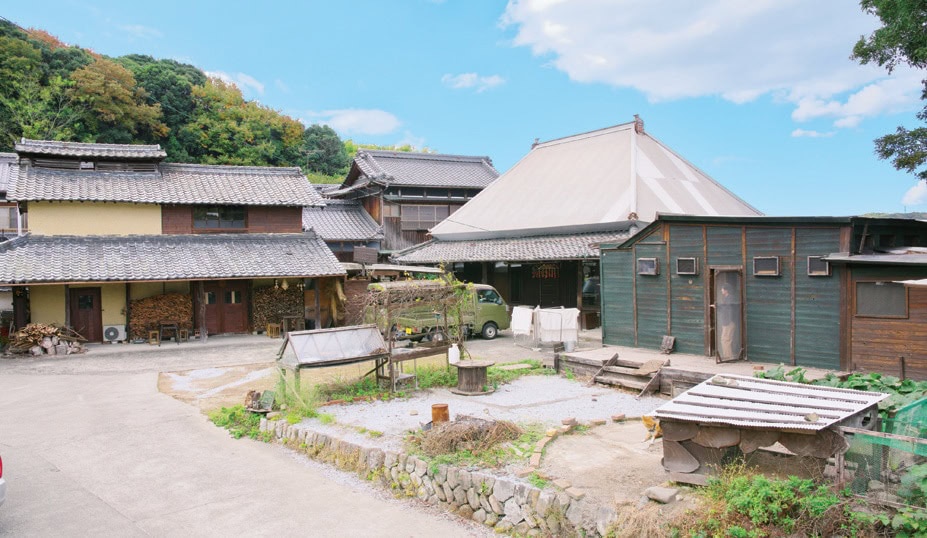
(269, 305)
(148, 313)
(42, 339)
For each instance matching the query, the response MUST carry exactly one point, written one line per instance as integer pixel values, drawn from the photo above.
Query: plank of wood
(694, 479)
(609, 362)
(651, 386)
(677, 459)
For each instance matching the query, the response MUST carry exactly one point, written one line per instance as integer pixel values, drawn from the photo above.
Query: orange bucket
(440, 413)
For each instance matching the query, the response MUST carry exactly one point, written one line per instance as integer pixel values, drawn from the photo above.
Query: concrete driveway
(96, 450)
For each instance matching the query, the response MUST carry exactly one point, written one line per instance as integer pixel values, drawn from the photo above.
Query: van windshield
(488, 296)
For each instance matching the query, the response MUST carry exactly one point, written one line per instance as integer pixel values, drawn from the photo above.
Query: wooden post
(128, 309)
(201, 295)
(318, 303)
(67, 305)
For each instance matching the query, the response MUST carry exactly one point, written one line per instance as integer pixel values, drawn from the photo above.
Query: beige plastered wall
(47, 303)
(94, 218)
(141, 290)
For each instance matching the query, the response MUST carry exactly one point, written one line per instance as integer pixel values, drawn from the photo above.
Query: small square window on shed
(817, 266)
(766, 266)
(881, 300)
(686, 266)
(648, 266)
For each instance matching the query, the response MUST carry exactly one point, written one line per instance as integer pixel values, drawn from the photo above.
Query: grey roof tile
(341, 220)
(9, 169)
(172, 184)
(47, 259)
(82, 149)
(425, 169)
(536, 248)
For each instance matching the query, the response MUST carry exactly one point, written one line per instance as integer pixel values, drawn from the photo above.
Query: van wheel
(434, 335)
(490, 330)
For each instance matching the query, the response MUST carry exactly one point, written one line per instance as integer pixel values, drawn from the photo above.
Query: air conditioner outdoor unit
(114, 333)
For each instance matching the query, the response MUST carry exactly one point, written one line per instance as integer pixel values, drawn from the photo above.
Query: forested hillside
(53, 91)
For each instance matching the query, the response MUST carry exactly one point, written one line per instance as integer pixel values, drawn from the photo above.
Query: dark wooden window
(817, 266)
(219, 217)
(881, 300)
(686, 266)
(766, 266)
(648, 266)
(210, 297)
(422, 217)
(233, 297)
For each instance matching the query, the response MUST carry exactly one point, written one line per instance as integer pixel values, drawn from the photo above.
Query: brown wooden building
(409, 193)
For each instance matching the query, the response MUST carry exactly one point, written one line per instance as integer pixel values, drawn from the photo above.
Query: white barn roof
(590, 182)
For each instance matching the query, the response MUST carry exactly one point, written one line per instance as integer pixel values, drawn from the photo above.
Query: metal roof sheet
(602, 177)
(750, 402)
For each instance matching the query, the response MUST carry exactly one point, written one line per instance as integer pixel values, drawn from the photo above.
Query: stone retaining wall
(506, 505)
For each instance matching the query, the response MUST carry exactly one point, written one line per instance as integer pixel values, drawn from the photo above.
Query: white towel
(522, 320)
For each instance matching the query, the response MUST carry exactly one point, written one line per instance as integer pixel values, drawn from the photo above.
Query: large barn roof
(589, 182)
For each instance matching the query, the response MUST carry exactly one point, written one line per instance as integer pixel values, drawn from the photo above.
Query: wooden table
(472, 378)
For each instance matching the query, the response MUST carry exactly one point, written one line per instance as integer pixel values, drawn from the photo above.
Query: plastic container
(453, 354)
(440, 413)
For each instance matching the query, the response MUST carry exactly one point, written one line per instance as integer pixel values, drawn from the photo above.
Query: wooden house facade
(803, 291)
(112, 223)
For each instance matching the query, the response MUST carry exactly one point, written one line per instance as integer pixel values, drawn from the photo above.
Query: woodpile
(42, 339)
(269, 305)
(147, 314)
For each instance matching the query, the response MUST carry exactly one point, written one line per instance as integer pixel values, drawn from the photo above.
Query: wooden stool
(154, 338)
(273, 330)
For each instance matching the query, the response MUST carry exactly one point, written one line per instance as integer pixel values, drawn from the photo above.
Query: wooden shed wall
(790, 317)
(877, 344)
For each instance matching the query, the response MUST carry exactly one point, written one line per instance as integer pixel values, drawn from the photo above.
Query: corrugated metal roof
(591, 179)
(512, 249)
(737, 400)
(423, 169)
(48, 259)
(83, 149)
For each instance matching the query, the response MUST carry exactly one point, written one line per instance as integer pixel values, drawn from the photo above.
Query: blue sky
(761, 95)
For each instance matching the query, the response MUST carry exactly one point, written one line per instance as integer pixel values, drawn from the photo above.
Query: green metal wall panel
(616, 273)
(651, 298)
(769, 298)
(724, 246)
(687, 291)
(817, 301)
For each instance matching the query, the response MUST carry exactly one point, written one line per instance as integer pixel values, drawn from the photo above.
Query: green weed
(238, 421)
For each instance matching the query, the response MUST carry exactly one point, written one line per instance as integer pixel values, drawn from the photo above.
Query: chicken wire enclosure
(329, 347)
(887, 465)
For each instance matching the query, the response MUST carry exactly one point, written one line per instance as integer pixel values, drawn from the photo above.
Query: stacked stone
(508, 506)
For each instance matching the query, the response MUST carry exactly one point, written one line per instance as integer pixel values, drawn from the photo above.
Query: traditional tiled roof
(9, 169)
(172, 184)
(85, 150)
(422, 169)
(323, 188)
(514, 249)
(341, 220)
(35, 259)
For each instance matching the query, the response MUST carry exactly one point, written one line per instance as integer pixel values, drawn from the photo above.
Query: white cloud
(472, 80)
(281, 86)
(798, 133)
(416, 142)
(242, 80)
(140, 32)
(916, 195)
(356, 121)
(794, 51)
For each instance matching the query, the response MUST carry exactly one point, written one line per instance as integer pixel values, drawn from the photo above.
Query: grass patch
(237, 420)
(535, 480)
(326, 418)
(741, 502)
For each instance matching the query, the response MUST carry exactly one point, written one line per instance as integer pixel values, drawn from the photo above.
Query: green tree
(226, 129)
(324, 150)
(118, 108)
(43, 112)
(901, 40)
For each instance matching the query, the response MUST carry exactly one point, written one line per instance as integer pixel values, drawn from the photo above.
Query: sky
(760, 95)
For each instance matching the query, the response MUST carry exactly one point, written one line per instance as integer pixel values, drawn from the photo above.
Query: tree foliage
(901, 40)
(55, 91)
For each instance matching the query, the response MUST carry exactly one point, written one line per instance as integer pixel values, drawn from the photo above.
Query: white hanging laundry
(522, 320)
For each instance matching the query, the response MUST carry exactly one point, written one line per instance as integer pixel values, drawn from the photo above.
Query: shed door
(87, 313)
(726, 324)
(226, 309)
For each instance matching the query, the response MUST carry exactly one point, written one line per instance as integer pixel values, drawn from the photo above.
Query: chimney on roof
(535, 143)
(638, 125)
